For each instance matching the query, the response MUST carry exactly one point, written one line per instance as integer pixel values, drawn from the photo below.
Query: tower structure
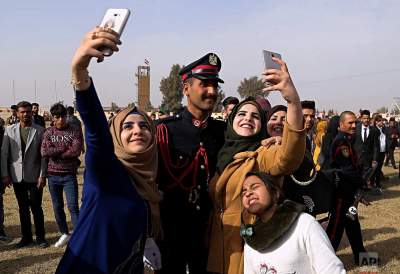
(143, 87)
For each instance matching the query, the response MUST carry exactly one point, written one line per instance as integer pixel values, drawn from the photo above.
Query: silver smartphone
(269, 63)
(116, 20)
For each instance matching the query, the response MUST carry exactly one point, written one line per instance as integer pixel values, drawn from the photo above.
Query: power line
(349, 76)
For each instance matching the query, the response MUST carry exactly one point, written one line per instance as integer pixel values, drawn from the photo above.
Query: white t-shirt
(304, 249)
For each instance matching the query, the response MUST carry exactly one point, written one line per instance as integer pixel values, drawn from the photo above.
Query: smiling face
(202, 94)
(275, 123)
(135, 134)
(247, 121)
(256, 198)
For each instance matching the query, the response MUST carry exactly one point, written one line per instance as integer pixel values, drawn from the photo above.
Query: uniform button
(199, 187)
(197, 207)
(202, 167)
(180, 157)
(177, 116)
(201, 143)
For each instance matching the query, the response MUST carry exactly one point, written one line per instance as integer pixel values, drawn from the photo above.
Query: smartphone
(116, 20)
(269, 63)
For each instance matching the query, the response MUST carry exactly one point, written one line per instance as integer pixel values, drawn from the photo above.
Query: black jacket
(368, 150)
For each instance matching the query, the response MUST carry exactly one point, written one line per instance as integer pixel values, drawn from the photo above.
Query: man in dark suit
(384, 144)
(37, 119)
(393, 142)
(367, 145)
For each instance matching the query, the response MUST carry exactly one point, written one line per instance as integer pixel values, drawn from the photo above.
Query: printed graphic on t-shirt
(265, 269)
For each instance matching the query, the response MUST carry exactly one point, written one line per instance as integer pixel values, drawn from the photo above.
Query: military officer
(188, 146)
(345, 160)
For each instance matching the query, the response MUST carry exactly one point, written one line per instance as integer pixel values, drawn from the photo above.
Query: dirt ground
(379, 222)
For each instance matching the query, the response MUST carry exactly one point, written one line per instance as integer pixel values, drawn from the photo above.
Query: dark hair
(35, 104)
(365, 112)
(70, 110)
(188, 81)
(14, 107)
(24, 104)
(392, 119)
(308, 104)
(58, 109)
(271, 183)
(331, 131)
(275, 109)
(230, 100)
(344, 113)
(264, 103)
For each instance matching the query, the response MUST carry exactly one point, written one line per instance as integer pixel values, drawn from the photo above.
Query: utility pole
(35, 92)
(55, 90)
(13, 90)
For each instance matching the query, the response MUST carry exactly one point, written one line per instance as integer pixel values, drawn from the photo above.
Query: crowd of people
(190, 193)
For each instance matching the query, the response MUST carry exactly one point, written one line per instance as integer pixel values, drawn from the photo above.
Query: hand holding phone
(269, 63)
(116, 20)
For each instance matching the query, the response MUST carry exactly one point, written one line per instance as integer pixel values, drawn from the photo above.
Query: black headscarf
(273, 110)
(235, 143)
(331, 132)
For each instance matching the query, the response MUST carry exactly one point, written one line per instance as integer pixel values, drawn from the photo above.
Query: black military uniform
(188, 151)
(345, 160)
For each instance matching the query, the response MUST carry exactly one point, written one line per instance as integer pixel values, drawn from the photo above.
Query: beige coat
(226, 244)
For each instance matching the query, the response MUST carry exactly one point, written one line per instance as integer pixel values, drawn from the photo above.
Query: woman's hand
(271, 141)
(279, 79)
(90, 47)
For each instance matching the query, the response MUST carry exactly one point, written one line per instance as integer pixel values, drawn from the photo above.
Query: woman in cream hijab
(119, 216)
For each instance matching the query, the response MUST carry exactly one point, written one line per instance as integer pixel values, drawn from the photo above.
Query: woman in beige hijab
(119, 216)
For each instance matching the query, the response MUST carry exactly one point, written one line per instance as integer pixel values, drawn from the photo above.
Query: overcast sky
(343, 54)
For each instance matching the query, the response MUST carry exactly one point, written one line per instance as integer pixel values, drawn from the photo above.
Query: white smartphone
(269, 63)
(116, 20)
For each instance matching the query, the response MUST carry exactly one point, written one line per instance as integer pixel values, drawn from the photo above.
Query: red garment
(62, 147)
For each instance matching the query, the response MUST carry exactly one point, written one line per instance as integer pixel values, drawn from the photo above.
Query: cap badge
(213, 59)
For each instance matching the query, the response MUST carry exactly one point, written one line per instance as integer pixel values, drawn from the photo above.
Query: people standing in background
(319, 135)
(3, 236)
(384, 144)
(308, 108)
(62, 145)
(37, 119)
(367, 146)
(11, 120)
(23, 167)
(393, 142)
(71, 119)
(227, 105)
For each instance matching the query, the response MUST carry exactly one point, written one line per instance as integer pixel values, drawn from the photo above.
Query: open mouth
(139, 140)
(252, 201)
(278, 129)
(247, 126)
